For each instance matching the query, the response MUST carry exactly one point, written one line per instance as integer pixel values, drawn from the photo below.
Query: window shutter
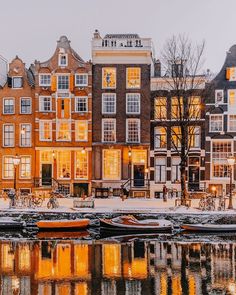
(67, 108)
(9, 81)
(227, 73)
(59, 101)
(54, 83)
(71, 82)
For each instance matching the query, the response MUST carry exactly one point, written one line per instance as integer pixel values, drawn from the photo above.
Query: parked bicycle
(207, 203)
(222, 203)
(53, 202)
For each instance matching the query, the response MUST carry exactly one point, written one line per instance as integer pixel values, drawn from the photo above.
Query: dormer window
(219, 96)
(231, 74)
(63, 60)
(17, 82)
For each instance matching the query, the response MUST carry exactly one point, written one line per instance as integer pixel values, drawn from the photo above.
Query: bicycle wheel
(39, 202)
(49, 204)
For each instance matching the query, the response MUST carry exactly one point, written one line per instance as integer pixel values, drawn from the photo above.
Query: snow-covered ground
(116, 205)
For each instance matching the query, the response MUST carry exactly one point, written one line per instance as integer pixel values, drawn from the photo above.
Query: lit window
(63, 131)
(108, 103)
(8, 135)
(220, 152)
(25, 105)
(8, 167)
(25, 134)
(109, 130)
(231, 74)
(45, 104)
(175, 137)
(63, 164)
(109, 78)
(81, 104)
(216, 123)
(133, 130)
(45, 130)
(81, 165)
(232, 97)
(111, 164)
(45, 80)
(17, 82)
(133, 79)
(160, 138)
(25, 167)
(160, 108)
(160, 169)
(62, 60)
(81, 130)
(8, 106)
(177, 107)
(175, 169)
(133, 103)
(219, 96)
(194, 105)
(81, 80)
(194, 136)
(232, 123)
(63, 82)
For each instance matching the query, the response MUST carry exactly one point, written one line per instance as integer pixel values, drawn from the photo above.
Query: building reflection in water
(109, 268)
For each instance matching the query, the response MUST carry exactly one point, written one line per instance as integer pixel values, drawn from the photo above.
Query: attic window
(231, 74)
(17, 82)
(63, 60)
(219, 96)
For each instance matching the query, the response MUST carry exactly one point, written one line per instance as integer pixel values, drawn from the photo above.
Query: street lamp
(129, 165)
(16, 162)
(231, 161)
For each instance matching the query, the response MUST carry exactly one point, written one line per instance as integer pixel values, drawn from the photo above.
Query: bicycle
(222, 203)
(207, 203)
(52, 202)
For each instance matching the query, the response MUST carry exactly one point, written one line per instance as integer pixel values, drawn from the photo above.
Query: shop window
(81, 165)
(81, 130)
(64, 164)
(111, 164)
(25, 167)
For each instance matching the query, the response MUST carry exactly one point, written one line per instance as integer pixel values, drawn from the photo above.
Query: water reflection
(73, 267)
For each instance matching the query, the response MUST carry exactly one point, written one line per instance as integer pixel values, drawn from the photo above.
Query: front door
(193, 174)
(138, 173)
(46, 174)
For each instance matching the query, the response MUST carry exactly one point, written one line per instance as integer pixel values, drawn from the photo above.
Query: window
(45, 80)
(81, 130)
(63, 164)
(25, 167)
(109, 130)
(63, 82)
(219, 96)
(231, 74)
(81, 104)
(232, 123)
(175, 137)
(133, 78)
(45, 130)
(25, 105)
(109, 78)
(160, 169)
(160, 138)
(63, 131)
(25, 134)
(133, 130)
(108, 103)
(220, 152)
(133, 103)
(177, 108)
(8, 167)
(160, 108)
(63, 60)
(194, 107)
(194, 137)
(216, 123)
(111, 164)
(175, 169)
(45, 104)
(8, 106)
(17, 82)
(8, 135)
(232, 97)
(81, 164)
(81, 80)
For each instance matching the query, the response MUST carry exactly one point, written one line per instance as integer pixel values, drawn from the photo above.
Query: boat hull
(62, 224)
(209, 227)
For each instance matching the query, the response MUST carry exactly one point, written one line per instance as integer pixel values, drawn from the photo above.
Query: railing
(54, 184)
(136, 183)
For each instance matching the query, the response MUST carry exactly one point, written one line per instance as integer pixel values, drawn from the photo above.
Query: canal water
(75, 264)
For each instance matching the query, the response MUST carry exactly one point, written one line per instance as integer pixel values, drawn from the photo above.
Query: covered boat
(131, 224)
(7, 223)
(62, 224)
(209, 227)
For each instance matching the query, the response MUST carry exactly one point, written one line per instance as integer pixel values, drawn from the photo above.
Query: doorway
(138, 175)
(46, 174)
(80, 189)
(193, 174)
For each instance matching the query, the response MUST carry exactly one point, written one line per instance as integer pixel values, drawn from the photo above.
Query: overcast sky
(30, 28)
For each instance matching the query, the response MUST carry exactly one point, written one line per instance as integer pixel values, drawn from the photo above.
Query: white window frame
(41, 125)
(28, 98)
(20, 165)
(3, 165)
(12, 82)
(59, 59)
(40, 103)
(228, 123)
(58, 166)
(44, 84)
(8, 98)
(127, 133)
(120, 165)
(3, 140)
(81, 178)
(64, 89)
(76, 130)
(155, 172)
(222, 120)
(222, 93)
(194, 135)
(103, 104)
(228, 102)
(103, 76)
(105, 120)
(21, 134)
(76, 103)
(139, 103)
(81, 74)
(57, 129)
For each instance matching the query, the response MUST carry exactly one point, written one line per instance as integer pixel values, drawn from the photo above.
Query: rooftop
(121, 36)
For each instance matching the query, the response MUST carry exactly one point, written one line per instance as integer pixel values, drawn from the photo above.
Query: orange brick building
(63, 139)
(16, 127)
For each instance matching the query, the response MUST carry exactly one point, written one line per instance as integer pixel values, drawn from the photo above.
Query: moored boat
(209, 227)
(9, 223)
(62, 224)
(129, 223)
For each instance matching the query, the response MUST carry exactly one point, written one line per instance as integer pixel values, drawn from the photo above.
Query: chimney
(96, 35)
(157, 68)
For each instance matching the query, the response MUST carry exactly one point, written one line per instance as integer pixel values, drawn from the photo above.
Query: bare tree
(181, 63)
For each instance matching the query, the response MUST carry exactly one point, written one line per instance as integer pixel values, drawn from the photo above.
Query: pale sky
(30, 28)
